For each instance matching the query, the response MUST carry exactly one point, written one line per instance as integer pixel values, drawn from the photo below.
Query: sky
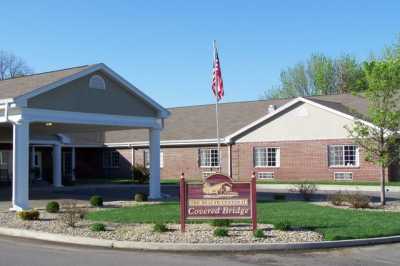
(165, 47)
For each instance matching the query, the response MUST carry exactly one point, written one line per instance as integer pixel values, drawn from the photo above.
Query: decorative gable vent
(97, 82)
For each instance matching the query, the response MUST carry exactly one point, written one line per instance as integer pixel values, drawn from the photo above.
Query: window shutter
(254, 157)
(198, 157)
(278, 157)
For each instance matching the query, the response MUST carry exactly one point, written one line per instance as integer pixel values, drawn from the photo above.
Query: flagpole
(216, 119)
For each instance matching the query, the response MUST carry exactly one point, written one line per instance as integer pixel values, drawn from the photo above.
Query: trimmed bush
(282, 225)
(279, 197)
(338, 198)
(219, 223)
(53, 207)
(306, 190)
(160, 228)
(358, 200)
(220, 232)
(98, 227)
(259, 233)
(141, 174)
(139, 197)
(96, 201)
(28, 215)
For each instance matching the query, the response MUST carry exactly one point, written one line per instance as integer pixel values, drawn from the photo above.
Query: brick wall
(183, 159)
(299, 160)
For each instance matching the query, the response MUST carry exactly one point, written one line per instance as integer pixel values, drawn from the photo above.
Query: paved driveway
(23, 252)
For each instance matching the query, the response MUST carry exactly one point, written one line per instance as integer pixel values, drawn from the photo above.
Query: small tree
(380, 141)
(12, 66)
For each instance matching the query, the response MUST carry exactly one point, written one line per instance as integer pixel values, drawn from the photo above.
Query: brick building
(286, 139)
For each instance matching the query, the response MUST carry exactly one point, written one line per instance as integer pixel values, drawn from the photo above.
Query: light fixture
(49, 124)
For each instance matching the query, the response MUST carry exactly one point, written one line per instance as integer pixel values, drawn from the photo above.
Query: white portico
(84, 99)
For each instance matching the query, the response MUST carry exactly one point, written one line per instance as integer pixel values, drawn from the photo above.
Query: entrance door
(67, 164)
(37, 165)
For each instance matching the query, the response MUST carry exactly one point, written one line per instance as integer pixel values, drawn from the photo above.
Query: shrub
(53, 207)
(306, 190)
(358, 200)
(338, 198)
(139, 197)
(219, 223)
(98, 227)
(160, 228)
(220, 232)
(283, 225)
(96, 201)
(259, 233)
(141, 174)
(28, 215)
(279, 197)
(72, 214)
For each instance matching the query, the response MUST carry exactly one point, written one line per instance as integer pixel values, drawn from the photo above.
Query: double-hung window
(208, 157)
(147, 159)
(110, 159)
(343, 155)
(266, 157)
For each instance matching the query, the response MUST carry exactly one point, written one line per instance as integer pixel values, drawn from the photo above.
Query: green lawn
(334, 224)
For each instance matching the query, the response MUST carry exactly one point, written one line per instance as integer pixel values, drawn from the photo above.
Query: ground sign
(218, 197)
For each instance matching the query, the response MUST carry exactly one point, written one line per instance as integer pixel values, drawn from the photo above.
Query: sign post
(218, 197)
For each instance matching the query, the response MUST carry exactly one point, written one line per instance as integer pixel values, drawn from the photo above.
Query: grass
(334, 224)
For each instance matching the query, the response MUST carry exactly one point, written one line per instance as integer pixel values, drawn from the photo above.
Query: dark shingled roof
(12, 88)
(198, 122)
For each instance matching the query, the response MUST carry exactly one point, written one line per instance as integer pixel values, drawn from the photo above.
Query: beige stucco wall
(304, 122)
(76, 96)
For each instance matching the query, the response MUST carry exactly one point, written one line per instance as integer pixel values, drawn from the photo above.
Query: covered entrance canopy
(51, 107)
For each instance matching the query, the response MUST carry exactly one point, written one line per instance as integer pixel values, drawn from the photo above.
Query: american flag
(217, 83)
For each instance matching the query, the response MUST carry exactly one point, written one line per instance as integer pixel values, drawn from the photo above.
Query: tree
(349, 75)
(12, 66)
(321, 75)
(380, 141)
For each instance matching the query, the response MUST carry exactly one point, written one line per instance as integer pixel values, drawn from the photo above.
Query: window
(97, 82)
(208, 157)
(110, 159)
(343, 176)
(205, 175)
(266, 157)
(343, 155)
(4, 155)
(147, 159)
(265, 175)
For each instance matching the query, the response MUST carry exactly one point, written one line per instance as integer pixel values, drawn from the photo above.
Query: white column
(155, 188)
(20, 186)
(73, 163)
(57, 174)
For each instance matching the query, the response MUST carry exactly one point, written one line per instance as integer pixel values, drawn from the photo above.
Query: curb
(132, 245)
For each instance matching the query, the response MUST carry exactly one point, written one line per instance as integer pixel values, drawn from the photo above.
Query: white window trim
(110, 165)
(272, 173)
(278, 157)
(210, 166)
(357, 165)
(146, 156)
(334, 176)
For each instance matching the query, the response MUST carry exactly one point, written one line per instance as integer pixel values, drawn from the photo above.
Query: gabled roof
(198, 122)
(25, 87)
(15, 87)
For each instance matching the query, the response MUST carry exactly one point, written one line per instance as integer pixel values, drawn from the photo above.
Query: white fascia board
(167, 143)
(44, 115)
(22, 100)
(289, 104)
(7, 100)
(262, 119)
